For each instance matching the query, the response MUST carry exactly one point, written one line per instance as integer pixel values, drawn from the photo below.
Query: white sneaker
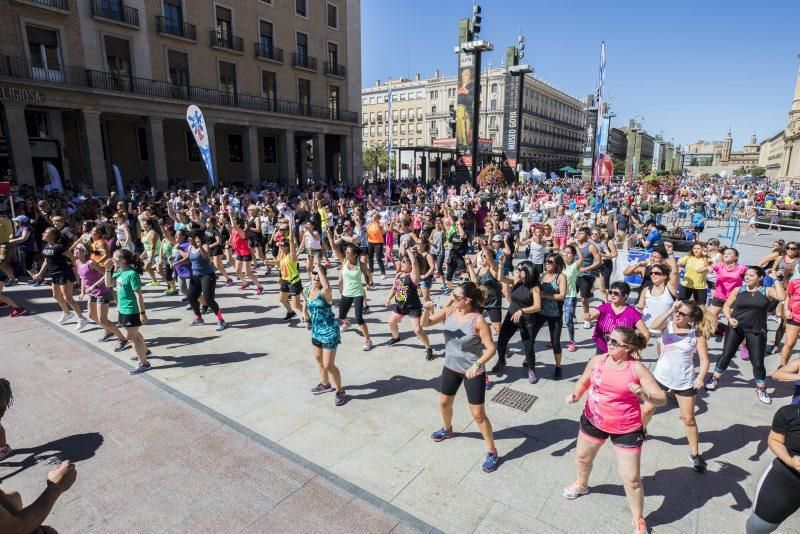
(587, 326)
(81, 324)
(65, 317)
(383, 277)
(572, 492)
(774, 318)
(763, 396)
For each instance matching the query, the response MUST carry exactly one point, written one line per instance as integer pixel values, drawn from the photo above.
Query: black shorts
(631, 440)
(791, 322)
(254, 242)
(293, 288)
(60, 279)
(475, 387)
(245, 257)
(100, 299)
(495, 315)
(691, 392)
(216, 251)
(718, 303)
(333, 345)
(411, 312)
(132, 320)
(585, 286)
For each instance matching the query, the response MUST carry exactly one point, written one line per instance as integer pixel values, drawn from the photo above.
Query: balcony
(304, 61)
(115, 12)
(92, 80)
(271, 53)
(59, 6)
(176, 28)
(227, 41)
(335, 70)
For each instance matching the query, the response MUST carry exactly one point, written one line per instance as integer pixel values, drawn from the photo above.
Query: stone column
(19, 147)
(320, 172)
(252, 157)
(157, 166)
(93, 151)
(287, 166)
(346, 154)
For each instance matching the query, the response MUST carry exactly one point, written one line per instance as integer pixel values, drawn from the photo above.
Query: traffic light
(521, 47)
(476, 20)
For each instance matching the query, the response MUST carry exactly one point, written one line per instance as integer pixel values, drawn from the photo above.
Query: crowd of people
(486, 264)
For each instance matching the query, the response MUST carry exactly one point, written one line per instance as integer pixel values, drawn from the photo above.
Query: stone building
(552, 121)
(87, 84)
(724, 155)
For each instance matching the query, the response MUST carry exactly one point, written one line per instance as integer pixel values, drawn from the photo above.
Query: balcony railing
(304, 61)
(336, 70)
(62, 5)
(226, 40)
(176, 27)
(21, 68)
(269, 52)
(115, 11)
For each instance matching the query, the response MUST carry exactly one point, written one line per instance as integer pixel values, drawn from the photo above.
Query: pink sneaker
(571, 346)
(5, 452)
(229, 282)
(243, 287)
(16, 312)
(744, 353)
(259, 290)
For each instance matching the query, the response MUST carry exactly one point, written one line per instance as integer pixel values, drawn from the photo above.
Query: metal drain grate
(515, 399)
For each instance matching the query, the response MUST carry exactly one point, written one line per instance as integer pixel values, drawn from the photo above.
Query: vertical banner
(464, 104)
(198, 126)
(656, 156)
(55, 178)
(118, 180)
(390, 124)
(601, 144)
(511, 120)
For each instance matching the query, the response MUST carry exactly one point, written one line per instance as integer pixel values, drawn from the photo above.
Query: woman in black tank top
(746, 311)
(524, 302)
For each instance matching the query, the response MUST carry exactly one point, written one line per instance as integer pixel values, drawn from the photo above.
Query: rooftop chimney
(417, 77)
(436, 73)
(377, 83)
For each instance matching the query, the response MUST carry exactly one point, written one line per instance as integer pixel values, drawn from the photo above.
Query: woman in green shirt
(124, 272)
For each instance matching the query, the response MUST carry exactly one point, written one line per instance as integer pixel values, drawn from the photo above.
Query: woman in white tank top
(685, 329)
(658, 298)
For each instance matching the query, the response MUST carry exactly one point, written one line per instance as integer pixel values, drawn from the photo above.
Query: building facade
(92, 85)
(552, 121)
(770, 156)
(725, 155)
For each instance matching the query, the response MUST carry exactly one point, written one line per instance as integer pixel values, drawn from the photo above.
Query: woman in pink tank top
(617, 382)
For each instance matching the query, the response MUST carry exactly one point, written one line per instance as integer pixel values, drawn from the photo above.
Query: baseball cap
(23, 219)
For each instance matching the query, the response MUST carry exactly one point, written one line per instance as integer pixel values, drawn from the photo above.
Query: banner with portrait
(465, 98)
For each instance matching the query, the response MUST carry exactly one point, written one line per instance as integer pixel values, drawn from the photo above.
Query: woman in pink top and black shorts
(617, 382)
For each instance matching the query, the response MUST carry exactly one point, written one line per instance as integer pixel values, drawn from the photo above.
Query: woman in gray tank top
(468, 348)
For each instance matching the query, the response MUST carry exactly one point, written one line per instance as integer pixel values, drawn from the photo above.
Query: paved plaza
(223, 434)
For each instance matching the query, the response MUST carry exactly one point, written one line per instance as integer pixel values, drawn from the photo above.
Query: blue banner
(198, 126)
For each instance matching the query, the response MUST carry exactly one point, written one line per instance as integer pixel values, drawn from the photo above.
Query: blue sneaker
(491, 462)
(442, 434)
(446, 292)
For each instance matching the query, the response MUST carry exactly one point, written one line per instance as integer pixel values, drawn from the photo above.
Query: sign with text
(15, 94)
(511, 116)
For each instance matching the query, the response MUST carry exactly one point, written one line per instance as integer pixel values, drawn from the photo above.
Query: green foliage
(693, 162)
(376, 158)
(757, 170)
(645, 167)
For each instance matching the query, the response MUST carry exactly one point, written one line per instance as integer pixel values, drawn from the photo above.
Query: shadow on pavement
(733, 438)
(175, 342)
(73, 448)
(205, 360)
(685, 491)
(392, 386)
(537, 437)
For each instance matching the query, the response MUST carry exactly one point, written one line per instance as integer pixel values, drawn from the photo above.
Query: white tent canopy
(537, 173)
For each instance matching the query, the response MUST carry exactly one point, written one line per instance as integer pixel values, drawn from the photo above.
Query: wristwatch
(477, 364)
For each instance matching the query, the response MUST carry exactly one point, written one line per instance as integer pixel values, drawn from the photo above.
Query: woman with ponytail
(468, 348)
(125, 270)
(617, 382)
(685, 329)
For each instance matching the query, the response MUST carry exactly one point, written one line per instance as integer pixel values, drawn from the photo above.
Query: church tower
(791, 147)
(727, 145)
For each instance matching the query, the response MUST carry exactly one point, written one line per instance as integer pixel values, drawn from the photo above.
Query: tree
(619, 165)
(757, 170)
(375, 158)
(645, 167)
(741, 171)
(693, 162)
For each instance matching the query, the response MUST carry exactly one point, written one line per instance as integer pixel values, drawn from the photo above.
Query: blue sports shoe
(442, 434)
(491, 462)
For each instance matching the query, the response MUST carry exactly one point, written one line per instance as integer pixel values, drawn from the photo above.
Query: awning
(569, 170)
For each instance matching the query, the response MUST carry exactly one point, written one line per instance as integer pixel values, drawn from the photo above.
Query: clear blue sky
(689, 68)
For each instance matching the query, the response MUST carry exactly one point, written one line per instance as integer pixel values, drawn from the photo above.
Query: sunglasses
(681, 314)
(614, 343)
(791, 248)
(314, 273)
(657, 273)
(458, 297)
(615, 293)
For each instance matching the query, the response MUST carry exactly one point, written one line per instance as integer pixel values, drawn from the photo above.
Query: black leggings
(205, 285)
(455, 263)
(344, 308)
(554, 324)
(373, 250)
(507, 331)
(756, 346)
(699, 295)
(440, 262)
(777, 498)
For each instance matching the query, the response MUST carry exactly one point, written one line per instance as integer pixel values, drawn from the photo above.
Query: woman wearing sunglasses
(524, 302)
(694, 284)
(617, 383)
(685, 329)
(483, 272)
(325, 336)
(468, 348)
(659, 297)
(729, 277)
(553, 290)
(746, 311)
(617, 312)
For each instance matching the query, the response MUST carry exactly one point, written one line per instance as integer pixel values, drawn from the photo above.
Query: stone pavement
(256, 375)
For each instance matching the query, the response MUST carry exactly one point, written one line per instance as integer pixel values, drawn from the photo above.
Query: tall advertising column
(465, 97)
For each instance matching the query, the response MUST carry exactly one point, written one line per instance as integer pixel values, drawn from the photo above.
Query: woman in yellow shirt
(694, 284)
